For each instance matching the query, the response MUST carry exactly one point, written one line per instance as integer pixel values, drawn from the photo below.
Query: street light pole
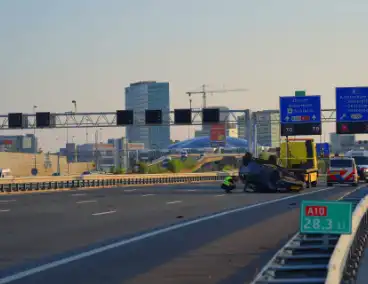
(75, 150)
(190, 106)
(58, 157)
(96, 154)
(67, 135)
(35, 140)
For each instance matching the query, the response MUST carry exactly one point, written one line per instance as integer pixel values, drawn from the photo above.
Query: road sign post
(352, 110)
(218, 135)
(300, 115)
(300, 93)
(323, 149)
(325, 217)
(34, 171)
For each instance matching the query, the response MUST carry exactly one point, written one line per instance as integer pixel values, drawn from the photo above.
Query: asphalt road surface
(161, 234)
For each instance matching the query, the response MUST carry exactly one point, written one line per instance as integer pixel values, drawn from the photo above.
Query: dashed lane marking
(174, 202)
(104, 213)
(86, 201)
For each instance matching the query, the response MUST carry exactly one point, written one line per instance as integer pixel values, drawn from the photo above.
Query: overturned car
(266, 176)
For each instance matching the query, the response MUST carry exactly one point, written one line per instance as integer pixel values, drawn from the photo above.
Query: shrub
(322, 166)
(143, 168)
(189, 163)
(156, 169)
(227, 168)
(175, 166)
(119, 171)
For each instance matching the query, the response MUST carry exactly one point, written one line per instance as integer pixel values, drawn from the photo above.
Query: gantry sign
(121, 118)
(352, 110)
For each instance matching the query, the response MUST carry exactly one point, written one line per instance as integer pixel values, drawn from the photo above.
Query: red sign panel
(316, 211)
(218, 132)
(6, 142)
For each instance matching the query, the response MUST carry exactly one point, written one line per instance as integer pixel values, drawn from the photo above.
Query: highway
(122, 235)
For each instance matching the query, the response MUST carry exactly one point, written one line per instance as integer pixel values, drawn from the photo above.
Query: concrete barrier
(93, 181)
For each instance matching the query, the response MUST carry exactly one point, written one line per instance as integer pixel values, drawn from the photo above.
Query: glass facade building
(141, 96)
(268, 128)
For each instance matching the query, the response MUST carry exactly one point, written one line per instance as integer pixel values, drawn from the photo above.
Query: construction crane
(204, 93)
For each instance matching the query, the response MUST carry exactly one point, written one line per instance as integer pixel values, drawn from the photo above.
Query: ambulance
(342, 170)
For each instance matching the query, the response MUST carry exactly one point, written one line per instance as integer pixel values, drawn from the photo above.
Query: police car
(342, 170)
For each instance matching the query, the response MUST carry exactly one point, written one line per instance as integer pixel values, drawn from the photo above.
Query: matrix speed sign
(325, 217)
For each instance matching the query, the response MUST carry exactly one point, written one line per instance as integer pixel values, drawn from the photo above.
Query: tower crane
(204, 93)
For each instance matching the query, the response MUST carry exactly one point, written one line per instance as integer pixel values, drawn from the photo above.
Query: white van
(361, 160)
(5, 173)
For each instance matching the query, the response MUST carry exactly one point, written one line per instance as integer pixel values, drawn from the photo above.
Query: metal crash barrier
(315, 258)
(92, 181)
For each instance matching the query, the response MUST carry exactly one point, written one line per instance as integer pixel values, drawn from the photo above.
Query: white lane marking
(4, 210)
(129, 190)
(174, 202)
(154, 233)
(219, 195)
(7, 201)
(148, 194)
(98, 214)
(191, 190)
(86, 201)
(78, 194)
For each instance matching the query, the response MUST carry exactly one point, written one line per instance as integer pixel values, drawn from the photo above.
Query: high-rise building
(141, 96)
(268, 128)
(341, 143)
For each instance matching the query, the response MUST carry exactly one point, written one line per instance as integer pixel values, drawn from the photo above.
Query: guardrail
(313, 258)
(91, 181)
(344, 262)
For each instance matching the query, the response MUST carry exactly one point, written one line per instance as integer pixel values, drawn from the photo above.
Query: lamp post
(75, 105)
(190, 106)
(35, 140)
(67, 134)
(58, 157)
(75, 154)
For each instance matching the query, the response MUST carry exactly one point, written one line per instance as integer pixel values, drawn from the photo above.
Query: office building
(141, 96)
(268, 127)
(120, 155)
(19, 143)
(241, 124)
(341, 143)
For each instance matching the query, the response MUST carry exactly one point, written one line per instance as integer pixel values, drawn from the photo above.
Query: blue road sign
(351, 104)
(300, 109)
(323, 149)
(34, 171)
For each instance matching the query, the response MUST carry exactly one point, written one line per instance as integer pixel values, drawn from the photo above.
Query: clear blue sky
(52, 52)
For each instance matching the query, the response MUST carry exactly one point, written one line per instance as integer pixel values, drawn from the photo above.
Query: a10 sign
(325, 217)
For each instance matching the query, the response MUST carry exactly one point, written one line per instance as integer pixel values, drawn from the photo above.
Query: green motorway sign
(325, 217)
(300, 93)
